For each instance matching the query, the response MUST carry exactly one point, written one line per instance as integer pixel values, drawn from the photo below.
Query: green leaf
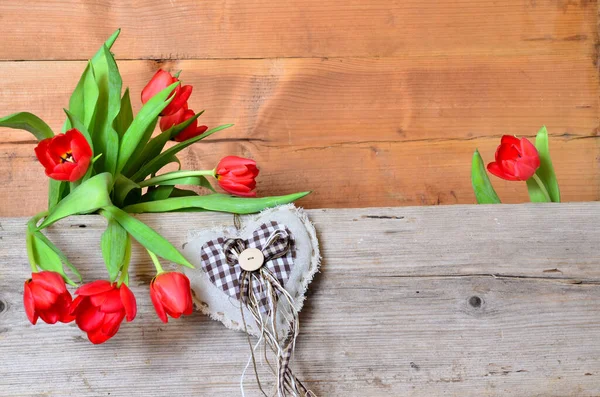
(86, 198)
(55, 192)
(165, 157)
(190, 180)
(106, 139)
(126, 190)
(84, 99)
(484, 191)
(215, 202)
(78, 125)
(132, 164)
(135, 132)
(125, 116)
(156, 145)
(537, 194)
(114, 246)
(147, 237)
(108, 43)
(28, 122)
(546, 170)
(60, 254)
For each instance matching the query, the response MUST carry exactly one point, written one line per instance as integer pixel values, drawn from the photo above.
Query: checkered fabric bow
(220, 260)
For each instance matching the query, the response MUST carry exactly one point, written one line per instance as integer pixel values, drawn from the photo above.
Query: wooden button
(251, 259)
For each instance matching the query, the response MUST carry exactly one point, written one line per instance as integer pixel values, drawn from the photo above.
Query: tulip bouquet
(106, 161)
(518, 160)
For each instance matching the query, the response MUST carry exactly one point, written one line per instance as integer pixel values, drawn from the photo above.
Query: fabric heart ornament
(253, 277)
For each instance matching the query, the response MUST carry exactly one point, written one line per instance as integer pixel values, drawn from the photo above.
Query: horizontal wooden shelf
(453, 300)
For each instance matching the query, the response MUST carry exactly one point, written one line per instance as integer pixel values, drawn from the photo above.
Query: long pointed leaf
(215, 202)
(125, 116)
(164, 158)
(144, 118)
(546, 170)
(484, 191)
(113, 244)
(147, 237)
(86, 198)
(28, 122)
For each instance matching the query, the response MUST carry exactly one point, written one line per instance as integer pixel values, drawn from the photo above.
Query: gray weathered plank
(459, 300)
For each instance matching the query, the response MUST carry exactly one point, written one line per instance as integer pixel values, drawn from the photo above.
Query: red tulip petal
(174, 291)
(59, 145)
(496, 169)
(79, 171)
(63, 307)
(95, 287)
(160, 311)
(510, 140)
(167, 122)
(43, 298)
(112, 322)
(181, 98)
(97, 336)
(76, 304)
(89, 318)
(50, 281)
(161, 80)
(113, 302)
(43, 155)
(49, 316)
(128, 300)
(80, 148)
(524, 171)
(29, 304)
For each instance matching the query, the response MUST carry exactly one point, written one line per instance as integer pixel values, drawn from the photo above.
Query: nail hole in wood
(475, 302)
(2, 306)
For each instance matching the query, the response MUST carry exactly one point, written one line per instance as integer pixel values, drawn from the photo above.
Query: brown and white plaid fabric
(219, 259)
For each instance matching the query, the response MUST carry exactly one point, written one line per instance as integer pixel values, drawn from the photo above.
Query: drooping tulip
(45, 296)
(179, 117)
(100, 308)
(171, 295)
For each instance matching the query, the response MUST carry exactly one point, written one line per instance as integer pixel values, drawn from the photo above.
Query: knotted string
(277, 245)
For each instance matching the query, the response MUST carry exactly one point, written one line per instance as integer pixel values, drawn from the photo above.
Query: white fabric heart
(210, 292)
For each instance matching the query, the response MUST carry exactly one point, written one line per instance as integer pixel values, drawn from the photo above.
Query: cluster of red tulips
(108, 162)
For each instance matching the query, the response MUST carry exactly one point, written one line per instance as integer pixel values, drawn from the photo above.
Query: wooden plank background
(365, 102)
(410, 301)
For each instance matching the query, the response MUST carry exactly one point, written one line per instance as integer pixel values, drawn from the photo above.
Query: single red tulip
(65, 157)
(46, 296)
(100, 308)
(171, 294)
(236, 175)
(161, 80)
(179, 117)
(516, 159)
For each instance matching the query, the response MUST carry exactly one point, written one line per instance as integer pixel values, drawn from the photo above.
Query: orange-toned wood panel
(360, 175)
(325, 102)
(186, 29)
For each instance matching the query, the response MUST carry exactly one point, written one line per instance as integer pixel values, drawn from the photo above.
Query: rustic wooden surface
(453, 301)
(367, 102)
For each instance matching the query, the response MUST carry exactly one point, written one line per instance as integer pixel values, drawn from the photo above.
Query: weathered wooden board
(359, 132)
(184, 29)
(455, 300)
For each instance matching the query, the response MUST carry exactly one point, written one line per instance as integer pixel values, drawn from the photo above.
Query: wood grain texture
(188, 29)
(359, 132)
(455, 300)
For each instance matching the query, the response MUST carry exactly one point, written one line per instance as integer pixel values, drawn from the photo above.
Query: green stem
(124, 275)
(31, 227)
(175, 175)
(157, 265)
(542, 187)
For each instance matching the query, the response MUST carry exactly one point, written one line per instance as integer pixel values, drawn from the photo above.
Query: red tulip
(101, 307)
(171, 294)
(66, 157)
(516, 159)
(179, 117)
(161, 80)
(236, 175)
(46, 296)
